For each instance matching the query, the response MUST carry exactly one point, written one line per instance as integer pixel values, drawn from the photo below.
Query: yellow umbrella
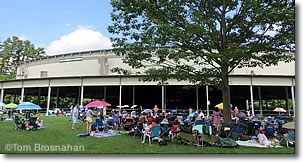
(11, 106)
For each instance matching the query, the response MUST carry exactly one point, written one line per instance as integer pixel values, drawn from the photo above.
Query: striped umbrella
(28, 106)
(147, 111)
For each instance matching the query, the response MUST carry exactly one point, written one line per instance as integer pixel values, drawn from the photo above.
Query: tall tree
(13, 52)
(205, 39)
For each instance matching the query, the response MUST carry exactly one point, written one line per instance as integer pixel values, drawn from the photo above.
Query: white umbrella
(133, 106)
(278, 109)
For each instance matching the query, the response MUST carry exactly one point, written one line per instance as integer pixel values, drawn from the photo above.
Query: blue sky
(45, 21)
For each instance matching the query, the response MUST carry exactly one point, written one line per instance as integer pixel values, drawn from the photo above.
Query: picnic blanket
(250, 143)
(104, 134)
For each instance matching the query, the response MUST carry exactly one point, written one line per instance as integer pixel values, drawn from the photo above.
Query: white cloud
(82, 39)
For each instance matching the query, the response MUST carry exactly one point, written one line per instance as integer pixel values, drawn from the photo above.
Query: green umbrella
(11, 106)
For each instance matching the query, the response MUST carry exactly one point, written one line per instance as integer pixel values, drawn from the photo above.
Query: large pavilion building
(85, 76)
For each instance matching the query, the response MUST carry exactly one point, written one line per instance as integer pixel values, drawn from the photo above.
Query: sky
(59, 26)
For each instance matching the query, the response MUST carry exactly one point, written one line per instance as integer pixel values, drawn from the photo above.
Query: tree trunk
(226, 95)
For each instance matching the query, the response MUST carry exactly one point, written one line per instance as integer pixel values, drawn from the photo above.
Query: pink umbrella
(97, 104)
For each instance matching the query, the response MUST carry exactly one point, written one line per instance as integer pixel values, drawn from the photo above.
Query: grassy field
(59, 133)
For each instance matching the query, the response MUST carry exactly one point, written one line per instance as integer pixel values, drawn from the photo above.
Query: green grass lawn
(59, 133)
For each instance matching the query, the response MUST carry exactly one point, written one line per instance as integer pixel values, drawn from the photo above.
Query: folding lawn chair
(155, 132)
(226, 129)
(164, 130)
(138, 130)
(198, 129)
(175, 128)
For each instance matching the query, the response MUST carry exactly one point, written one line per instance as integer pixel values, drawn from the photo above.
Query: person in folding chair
(148, 130)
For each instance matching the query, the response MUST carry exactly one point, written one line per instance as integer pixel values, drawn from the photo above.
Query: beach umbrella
(28, 106)
(173, 111)
(241, 115)
(2, 104)
(83, 108)
(11, 106)
(133, 106)
(97, 104)
(147, 111)
(278, 109)
(259, 116)
(220, 106)
(290, 125)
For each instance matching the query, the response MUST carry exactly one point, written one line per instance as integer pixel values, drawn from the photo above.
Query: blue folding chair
(269, 130)
(155, 132)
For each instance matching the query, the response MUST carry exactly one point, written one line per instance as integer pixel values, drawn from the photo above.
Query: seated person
(262, 139)
(164, 121)
(40, 123)
(148, 130)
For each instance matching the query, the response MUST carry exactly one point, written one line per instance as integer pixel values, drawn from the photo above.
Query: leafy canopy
(13, 52)
(198, 39)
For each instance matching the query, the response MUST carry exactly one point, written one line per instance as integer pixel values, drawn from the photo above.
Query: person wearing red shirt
(148, 130)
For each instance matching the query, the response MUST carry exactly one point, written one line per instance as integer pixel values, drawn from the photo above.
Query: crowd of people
(156, 116)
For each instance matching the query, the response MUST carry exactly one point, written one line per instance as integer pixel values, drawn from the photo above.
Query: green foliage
(13, 52)
(202, 41)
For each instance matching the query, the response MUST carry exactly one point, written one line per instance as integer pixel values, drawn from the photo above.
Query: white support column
(260, 100)
(120, 93)
(252, 100)
(2, 93)
(134, 94)
(197, 98)
(48, 98)
(82, 92)
(207, 101)
(22, 93)
(293, 98)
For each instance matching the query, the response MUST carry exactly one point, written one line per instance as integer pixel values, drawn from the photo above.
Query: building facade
(87, 75)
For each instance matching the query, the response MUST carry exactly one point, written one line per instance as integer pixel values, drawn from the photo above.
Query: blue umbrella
(28, 106)
(2, 104)
(83, 108)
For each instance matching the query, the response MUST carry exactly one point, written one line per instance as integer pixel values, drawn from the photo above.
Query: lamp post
(252, 73)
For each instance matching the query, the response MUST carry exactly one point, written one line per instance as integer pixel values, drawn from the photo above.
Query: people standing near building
(71, 112)
(116, 120)
(217, 119)
(89, 119)
(156, 109)
(74, 117)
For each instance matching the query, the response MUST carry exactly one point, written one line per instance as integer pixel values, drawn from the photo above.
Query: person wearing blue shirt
(117, 120)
